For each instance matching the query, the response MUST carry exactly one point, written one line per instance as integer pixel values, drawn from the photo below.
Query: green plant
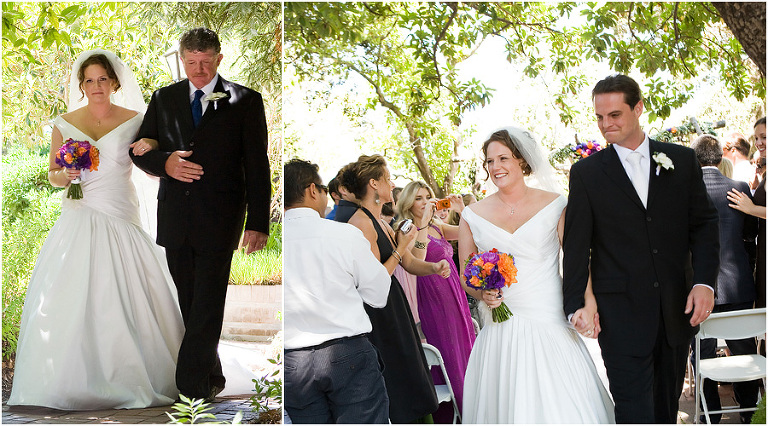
(263, 267)
(270, 386)
(30, 209)
(191, 411)
(759, 417)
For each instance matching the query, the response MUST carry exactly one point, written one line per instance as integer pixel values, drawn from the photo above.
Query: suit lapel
(184, 115)
(615, 171)
(214, 107)
(656, 182)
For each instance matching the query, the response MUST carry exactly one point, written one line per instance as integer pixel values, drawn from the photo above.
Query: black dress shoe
(215, 390)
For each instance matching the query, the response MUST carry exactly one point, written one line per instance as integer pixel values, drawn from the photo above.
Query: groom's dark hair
(199, 40)
(619, 83)
(297, 176)
(708, 150)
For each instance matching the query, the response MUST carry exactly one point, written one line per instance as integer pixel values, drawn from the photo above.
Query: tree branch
(677, 39)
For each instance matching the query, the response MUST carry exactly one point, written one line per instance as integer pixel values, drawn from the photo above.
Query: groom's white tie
(636, 175)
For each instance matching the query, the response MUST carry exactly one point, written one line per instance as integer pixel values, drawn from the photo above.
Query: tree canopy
(409, 54)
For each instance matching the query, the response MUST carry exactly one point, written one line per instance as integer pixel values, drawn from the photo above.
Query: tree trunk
(421, 161)
(747, 23)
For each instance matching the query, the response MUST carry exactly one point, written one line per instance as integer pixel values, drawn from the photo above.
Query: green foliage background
(41, 40)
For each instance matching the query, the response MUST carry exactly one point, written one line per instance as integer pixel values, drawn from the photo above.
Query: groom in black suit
(640, 221)
(211, 158)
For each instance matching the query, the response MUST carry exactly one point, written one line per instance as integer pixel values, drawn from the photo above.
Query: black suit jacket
(231, 144)
(735, 283)
(643, 261)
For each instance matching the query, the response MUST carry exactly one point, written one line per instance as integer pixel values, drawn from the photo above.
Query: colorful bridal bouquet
(491, 270)
(78, 155)
(585, 149)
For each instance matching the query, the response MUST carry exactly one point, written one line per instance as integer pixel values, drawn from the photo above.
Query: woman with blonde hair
(443, 307)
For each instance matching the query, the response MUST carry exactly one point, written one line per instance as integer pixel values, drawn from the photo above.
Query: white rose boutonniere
(215, 97)
(662, 160)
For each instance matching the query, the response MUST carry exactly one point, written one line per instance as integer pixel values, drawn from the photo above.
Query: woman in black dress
(756, 207)
(406, 374)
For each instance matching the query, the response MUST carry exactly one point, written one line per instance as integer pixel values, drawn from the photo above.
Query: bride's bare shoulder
(125, 113)
(483, 206)
(544, 196)
(74, 115)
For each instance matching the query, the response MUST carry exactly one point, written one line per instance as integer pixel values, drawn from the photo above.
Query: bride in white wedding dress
(534, 367)
(101, 327)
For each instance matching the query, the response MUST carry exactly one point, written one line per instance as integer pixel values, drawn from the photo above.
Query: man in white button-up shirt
(332, 371)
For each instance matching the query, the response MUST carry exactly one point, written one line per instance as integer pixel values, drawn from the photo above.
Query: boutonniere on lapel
(662, 160)
(215, 97)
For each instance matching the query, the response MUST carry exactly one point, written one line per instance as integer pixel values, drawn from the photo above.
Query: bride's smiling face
(502, 166)
(97, 85)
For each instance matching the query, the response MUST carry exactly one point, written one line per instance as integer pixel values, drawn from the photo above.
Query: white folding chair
(735, 368)
(444, 392)
(475, 326)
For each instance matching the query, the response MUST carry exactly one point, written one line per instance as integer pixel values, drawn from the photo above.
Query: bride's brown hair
(101, 60)
(503, 137)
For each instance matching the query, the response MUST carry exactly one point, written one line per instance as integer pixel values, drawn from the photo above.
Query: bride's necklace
(98, 120)
(511, 207)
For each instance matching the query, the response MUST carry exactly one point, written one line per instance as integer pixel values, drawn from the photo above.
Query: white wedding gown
(532, 368)
(101, 327)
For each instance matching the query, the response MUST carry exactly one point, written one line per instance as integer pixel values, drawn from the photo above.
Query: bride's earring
(377, 199)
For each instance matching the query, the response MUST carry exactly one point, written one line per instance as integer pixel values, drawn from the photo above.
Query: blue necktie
(197, 107)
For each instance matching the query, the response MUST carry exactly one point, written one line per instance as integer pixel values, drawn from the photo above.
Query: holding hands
(587, 322)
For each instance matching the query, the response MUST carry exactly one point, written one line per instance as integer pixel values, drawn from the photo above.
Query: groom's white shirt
(645, 150)
(207, 90)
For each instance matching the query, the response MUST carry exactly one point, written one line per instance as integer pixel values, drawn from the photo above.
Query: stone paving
(224, 409)
(688, 401)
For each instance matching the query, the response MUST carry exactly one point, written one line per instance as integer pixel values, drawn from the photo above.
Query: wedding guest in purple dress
(443, 308)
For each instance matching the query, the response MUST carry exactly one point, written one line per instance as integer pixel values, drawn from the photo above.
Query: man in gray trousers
(332, 371)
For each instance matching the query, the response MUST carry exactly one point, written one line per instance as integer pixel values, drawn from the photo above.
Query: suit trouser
(745, 392)
(338, 383)
(201, 279)
(646, 389)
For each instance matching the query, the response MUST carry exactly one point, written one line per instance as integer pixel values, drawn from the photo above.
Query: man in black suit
(211, 157)
(735, 284)
(640, 222)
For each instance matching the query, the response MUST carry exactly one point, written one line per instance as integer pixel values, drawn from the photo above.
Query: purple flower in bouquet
(491, 270)
(78, 155)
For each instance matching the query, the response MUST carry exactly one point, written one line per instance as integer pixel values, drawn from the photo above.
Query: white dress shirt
(329, 271)
(207, 90)
(645, 150)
